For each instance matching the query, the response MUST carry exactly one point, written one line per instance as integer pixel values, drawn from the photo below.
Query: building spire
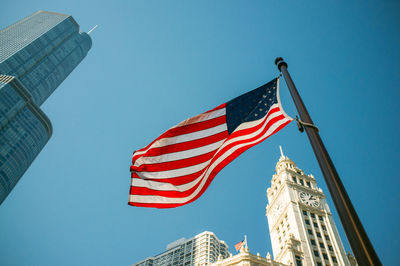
(280, 147)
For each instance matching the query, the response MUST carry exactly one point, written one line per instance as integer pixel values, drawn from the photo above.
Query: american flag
(178, 166)
(239, 245)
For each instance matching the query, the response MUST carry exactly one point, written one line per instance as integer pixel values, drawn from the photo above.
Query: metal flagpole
(358, 238)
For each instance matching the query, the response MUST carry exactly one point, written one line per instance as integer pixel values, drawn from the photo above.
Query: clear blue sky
(155, 63)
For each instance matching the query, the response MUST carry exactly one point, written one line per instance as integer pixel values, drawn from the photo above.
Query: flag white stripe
(162, 186)
(185, 137)
(173, 173)
(180, 155)
(202, 117)
(196, 168)
(250, 125)
(143, 160)
(161, 199)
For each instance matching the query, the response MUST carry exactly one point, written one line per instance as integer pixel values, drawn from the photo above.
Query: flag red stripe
(164, 193)
(246, 131)
(216, 108)
(167, 133)
(177, 194)
(173, 132)
(182, 163)
(185, 145)
(210, 178)
(249, 130)
(200, 159)
(176, 181)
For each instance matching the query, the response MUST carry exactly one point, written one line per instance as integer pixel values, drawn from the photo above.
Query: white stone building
(245, 258)
(301, 226)
(201, 249)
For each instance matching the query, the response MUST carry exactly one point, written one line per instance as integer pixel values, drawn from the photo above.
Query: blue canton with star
(251, 106)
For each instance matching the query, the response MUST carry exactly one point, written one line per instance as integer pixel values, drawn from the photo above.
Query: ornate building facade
(301, 226)
(245, 258)
(300, 222)
(301, 229)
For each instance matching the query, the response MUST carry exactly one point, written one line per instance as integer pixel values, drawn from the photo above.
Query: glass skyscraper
(36, 54)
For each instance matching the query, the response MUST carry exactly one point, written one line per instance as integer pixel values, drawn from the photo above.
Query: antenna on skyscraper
(92, 29)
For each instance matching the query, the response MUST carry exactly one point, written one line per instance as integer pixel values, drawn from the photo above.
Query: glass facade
(202, 249)
(36, 54)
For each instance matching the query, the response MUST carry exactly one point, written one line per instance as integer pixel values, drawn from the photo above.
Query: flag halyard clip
(301, 125)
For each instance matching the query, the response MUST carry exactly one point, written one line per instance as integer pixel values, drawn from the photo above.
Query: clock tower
(301, 226)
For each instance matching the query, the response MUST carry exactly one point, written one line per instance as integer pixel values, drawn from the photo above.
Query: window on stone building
(318, 234)
(304, 212)
(310, 231)
(294, 179)
(334, 259)
(309, 184)
(298, 261)
(312, 215)
(322, 245)
(316, 253)
(302, 182)
(330, 247)
(325, 256)
(326, 237)
(307, 221)
(315, 224)
(313, 242)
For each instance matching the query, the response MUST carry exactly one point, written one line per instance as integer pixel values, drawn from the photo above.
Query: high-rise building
(36, 54)
(300, 222)
(201, 249)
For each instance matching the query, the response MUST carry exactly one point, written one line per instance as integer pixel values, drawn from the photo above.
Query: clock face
(309, 199)
(276, 211)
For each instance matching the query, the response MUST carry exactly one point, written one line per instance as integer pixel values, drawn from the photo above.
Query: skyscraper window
(36, 55)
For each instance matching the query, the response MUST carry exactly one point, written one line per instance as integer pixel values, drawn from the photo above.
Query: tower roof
(284, 162)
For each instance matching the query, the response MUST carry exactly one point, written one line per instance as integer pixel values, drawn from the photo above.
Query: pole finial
(279, 62)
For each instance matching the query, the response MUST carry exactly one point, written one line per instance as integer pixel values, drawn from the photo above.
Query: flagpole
(358, 238)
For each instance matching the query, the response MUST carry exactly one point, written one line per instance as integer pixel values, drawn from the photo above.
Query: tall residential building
(36, 54)
(202, 249)
(300, 222)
